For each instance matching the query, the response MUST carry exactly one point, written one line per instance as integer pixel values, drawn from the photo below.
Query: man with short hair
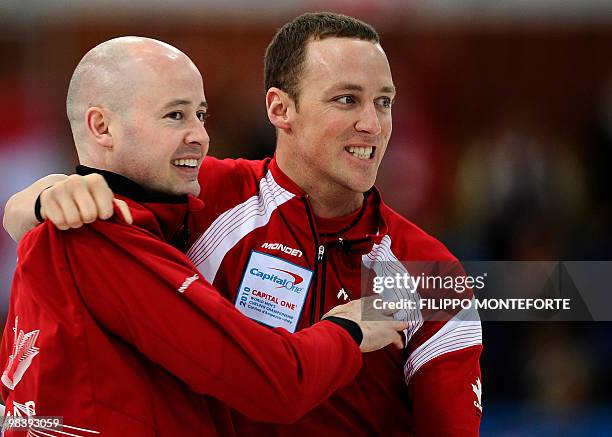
(113, 329)
(313, 206)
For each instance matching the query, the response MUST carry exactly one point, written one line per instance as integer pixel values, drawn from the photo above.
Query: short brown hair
(284, 60)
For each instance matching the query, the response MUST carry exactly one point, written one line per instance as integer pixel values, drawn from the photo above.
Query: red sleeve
(446, 395)
(443, 366)
(149, 294)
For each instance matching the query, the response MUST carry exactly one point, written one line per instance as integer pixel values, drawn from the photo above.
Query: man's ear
(97, 121)
(280, 108)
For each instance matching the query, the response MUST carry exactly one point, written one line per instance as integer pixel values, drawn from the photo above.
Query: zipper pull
(321, 253)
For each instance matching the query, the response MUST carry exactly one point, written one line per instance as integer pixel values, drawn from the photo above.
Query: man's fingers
(52, 211)
(72, 215)
(400, 325)
(379, 330)
(80, 199)
(101, 194)
(378, 334)
(63, 202)
(398, 342)
(86, 206)
(75, 201)
(125, 210)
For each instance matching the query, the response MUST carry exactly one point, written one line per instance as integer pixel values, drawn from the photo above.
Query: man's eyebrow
(390, 89)
(348, 87)
(181, 102)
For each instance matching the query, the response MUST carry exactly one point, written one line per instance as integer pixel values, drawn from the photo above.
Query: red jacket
(259, 243)
(114, 330)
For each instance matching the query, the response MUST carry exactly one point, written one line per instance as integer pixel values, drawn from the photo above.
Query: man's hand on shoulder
(376, 333)
(78, 200)
(67, 201)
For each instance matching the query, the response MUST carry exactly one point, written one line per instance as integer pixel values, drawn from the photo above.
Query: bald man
(110, 327)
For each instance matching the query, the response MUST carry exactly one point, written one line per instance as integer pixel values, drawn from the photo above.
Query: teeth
(185, 162)
(360, 152)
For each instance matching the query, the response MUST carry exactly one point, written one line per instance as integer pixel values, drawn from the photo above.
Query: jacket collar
(128, 188)
(160, 213)
(283, 180)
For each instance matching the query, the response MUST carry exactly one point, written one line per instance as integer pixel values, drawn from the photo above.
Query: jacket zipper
(319, 261)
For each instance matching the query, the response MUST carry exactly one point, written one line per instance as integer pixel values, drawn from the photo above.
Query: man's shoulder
(214, 167)
(47, 235)
(412, 242)
(224, 183)
(38, 237)
(45, 242)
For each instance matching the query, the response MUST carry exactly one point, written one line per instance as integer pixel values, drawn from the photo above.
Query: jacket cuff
(351, 327)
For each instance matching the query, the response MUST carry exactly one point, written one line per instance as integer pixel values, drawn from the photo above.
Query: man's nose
(368, 121)
(197, 134)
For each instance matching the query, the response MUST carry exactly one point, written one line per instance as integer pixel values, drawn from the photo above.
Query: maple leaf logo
(24, 350)
(477, 388)
(342, 293)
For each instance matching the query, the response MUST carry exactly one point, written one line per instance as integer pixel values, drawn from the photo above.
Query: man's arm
(150, 295)
(446, 393)
(19, 210)
(67, 201)
(442, 370)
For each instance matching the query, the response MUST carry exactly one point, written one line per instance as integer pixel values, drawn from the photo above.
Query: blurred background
(502, 146)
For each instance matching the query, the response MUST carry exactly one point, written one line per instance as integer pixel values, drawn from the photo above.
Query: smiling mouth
(185, 163)
(361, 152)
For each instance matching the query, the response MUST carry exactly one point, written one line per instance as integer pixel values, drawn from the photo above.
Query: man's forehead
(172, 88)
(165, 73)
(340, 48)
(348, 61)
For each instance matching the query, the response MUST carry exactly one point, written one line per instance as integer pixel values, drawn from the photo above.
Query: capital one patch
(273, 291)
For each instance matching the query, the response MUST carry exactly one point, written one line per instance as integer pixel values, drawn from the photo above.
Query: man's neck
(125, 186)
(331, 206)
(328, 200)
